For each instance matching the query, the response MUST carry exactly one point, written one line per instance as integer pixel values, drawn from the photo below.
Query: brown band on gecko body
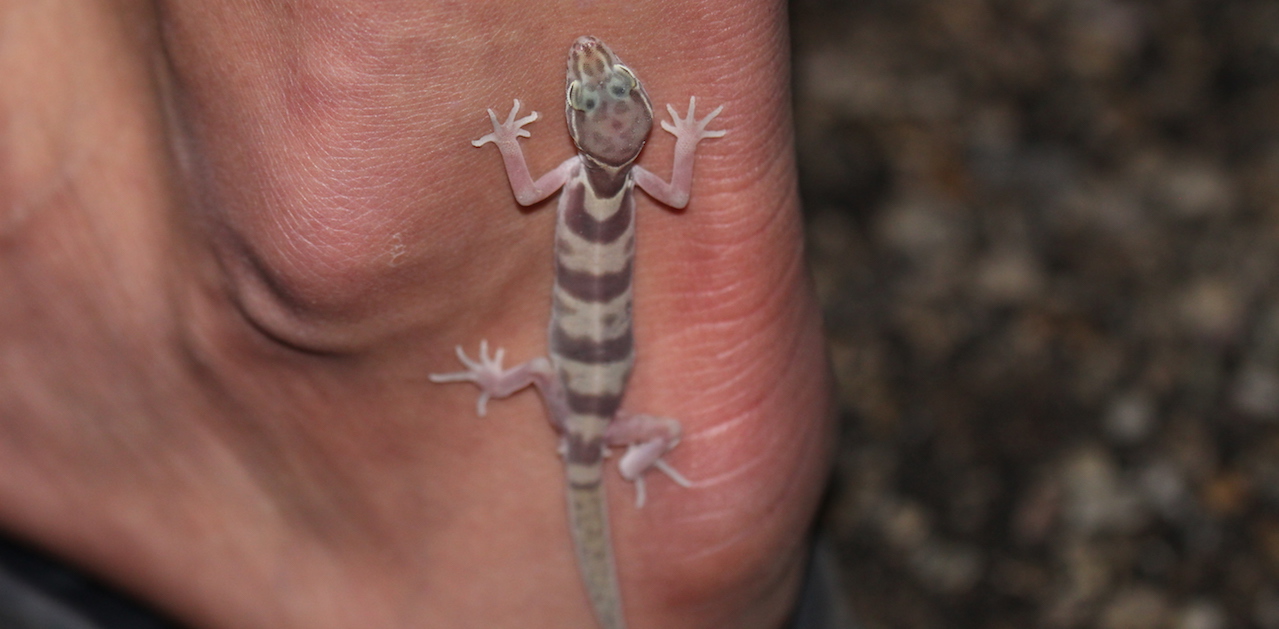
(591, 351)
(592, 287)
(567, 249)
(605, 405)
(580, 222)
(583, 450)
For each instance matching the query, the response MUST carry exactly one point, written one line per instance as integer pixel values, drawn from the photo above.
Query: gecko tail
(588, 517)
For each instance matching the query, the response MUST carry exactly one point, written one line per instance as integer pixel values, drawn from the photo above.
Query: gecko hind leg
(493, 381)
(647, 438)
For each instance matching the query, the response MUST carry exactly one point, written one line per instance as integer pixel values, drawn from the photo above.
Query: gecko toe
(673, 473)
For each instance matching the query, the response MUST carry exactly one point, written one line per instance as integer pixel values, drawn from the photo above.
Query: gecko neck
(607, 181)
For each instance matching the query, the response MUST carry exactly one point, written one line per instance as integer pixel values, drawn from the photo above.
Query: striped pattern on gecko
(591, 342)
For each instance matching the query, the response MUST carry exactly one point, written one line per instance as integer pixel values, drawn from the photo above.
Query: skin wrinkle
(724, 478)
(34, 198)
(726, 233)
(343, 59)
(753, 317)
(778, 497)
(313, 225)
(309, 232)
(746, 538)
(738, 409)
(737, 418)
(734, 303)
(64, 169)
(723, 545)
(704, 287)
(727, 292)
(311, 229)
(779, 575)
(718, 383)
(269, 459)
(790, 271)
(737, 174)
(219, 390)
(727, 408)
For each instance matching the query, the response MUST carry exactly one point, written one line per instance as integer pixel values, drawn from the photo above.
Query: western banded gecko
(591, 343)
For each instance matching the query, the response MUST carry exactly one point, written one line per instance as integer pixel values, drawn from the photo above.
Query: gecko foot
(647, 438)
(494, 382)
(689, 128)
(505, 133)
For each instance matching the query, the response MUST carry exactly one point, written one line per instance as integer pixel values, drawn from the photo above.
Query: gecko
(591, 341)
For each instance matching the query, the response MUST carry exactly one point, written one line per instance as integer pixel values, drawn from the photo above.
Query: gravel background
(1046, 234)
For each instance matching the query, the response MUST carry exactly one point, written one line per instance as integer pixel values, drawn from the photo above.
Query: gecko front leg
(495, 382)
(688, 131)
(506, 136)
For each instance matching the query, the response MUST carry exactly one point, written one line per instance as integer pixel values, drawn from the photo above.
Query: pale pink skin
(236, 238)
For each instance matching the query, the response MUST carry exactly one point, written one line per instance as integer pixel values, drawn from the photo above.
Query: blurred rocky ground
(1046, 237)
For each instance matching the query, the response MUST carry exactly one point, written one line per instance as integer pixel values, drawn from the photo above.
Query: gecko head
(609, 115)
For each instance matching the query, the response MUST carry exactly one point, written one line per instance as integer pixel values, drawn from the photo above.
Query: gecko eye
(626, 73)
(576, 100)
(622, 82)
(573, 89)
